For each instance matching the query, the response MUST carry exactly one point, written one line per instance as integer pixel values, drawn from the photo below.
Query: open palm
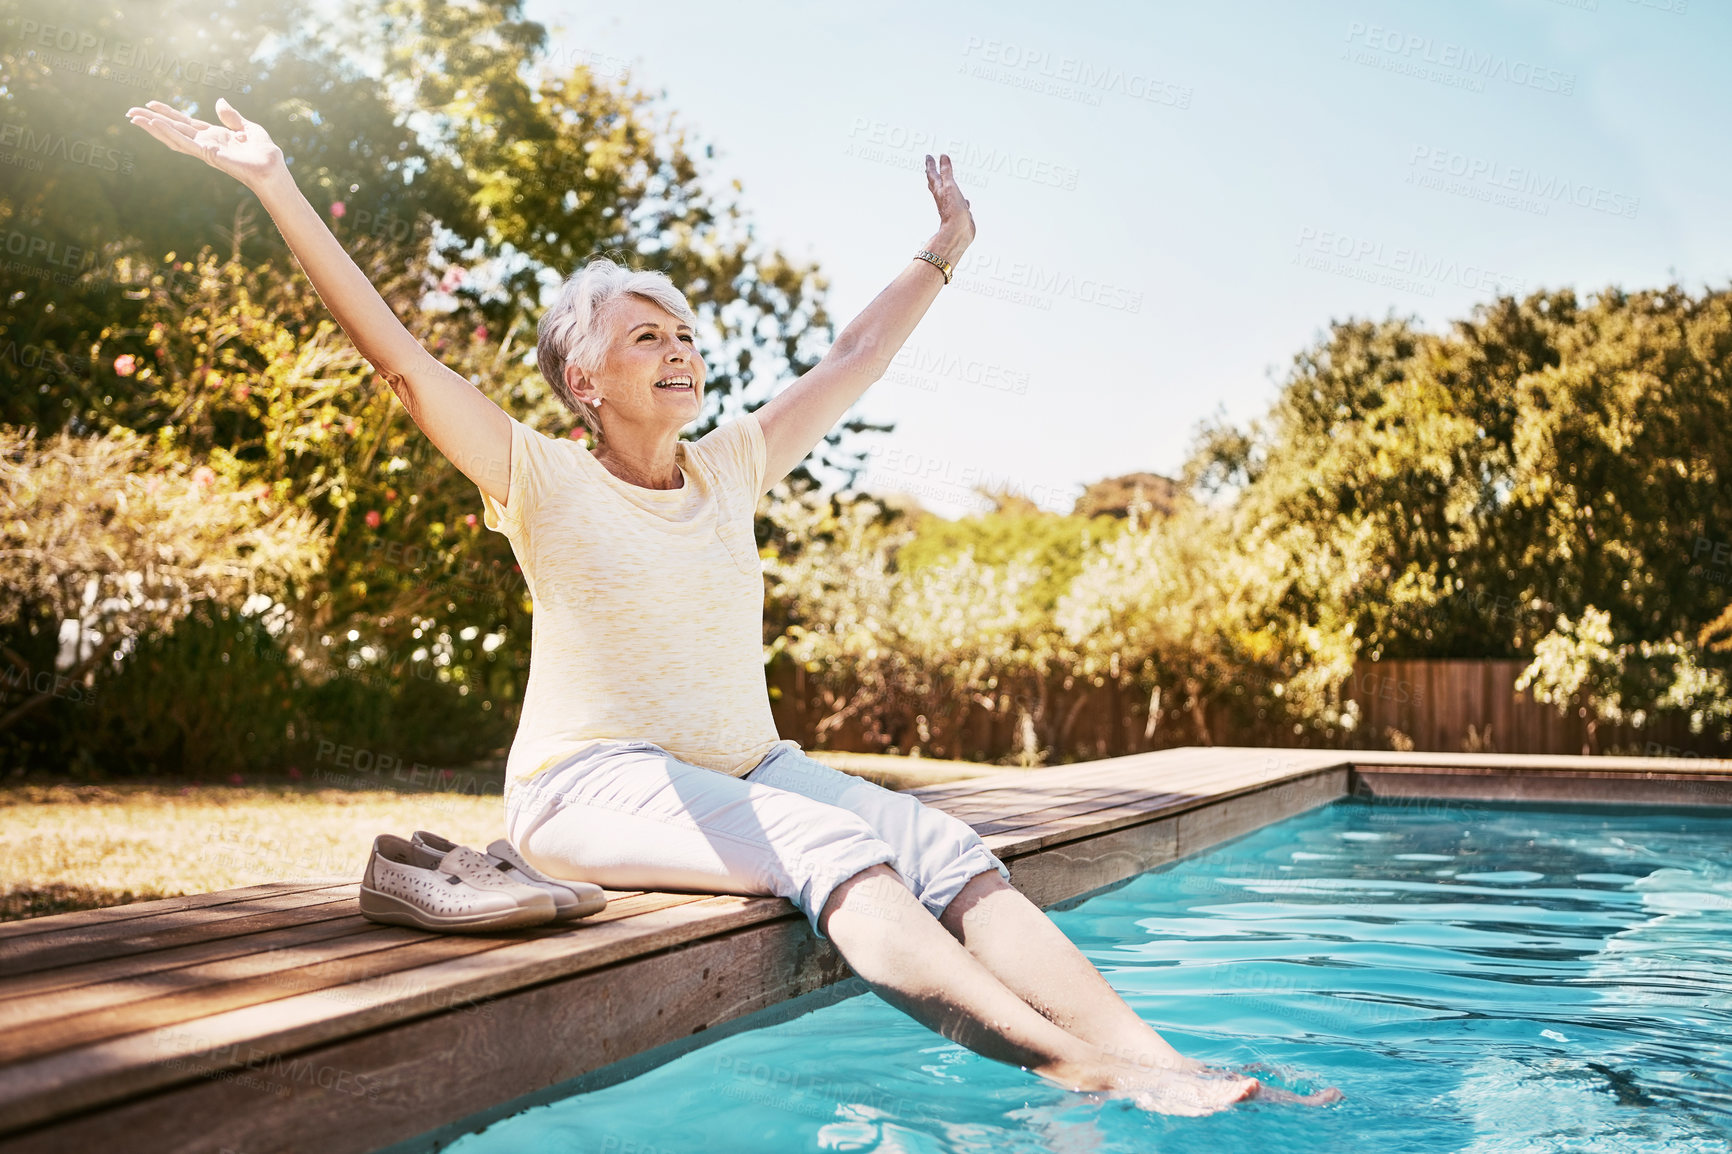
(237, 146)
(955, 221)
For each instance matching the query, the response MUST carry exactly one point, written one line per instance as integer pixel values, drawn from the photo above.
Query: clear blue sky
(1173, 199)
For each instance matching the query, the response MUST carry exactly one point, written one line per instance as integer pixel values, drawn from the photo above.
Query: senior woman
(646, 757)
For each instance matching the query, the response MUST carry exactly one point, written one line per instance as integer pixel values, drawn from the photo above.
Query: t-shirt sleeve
(736, 451)
(534, 464)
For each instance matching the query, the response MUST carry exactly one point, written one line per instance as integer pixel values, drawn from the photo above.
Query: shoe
(589, 897)
(570, 899)
(406, 885)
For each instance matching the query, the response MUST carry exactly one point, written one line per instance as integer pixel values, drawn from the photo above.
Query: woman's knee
(873, 891)
(965, 909)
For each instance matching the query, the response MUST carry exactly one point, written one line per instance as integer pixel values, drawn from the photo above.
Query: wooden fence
(1442, 706)
(1455, 706)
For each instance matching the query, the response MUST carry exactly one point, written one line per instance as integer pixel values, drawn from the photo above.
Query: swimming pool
(1474, 978)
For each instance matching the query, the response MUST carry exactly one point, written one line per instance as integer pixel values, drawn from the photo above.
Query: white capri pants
(628, 815)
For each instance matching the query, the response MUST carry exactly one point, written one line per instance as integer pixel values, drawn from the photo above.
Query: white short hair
(572, 330)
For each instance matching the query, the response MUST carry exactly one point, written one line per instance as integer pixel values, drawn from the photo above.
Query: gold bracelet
(939, 262)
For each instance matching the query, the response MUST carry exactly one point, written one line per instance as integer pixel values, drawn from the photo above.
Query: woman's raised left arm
(798, 417)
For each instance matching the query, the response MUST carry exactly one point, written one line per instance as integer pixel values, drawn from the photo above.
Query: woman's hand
(955, 223)
(237, 146)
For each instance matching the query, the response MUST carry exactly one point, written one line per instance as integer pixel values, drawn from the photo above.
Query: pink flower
(373, 518)
(338, 208)
(243, 391)
(126, 364)
(390, 494)
(294, 774)
(578, 434)
(480, 332)
(203, 476)
(453, 277)
(469, 520)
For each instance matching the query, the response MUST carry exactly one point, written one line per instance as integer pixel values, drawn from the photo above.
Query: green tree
(1465, 490)
(467, 177)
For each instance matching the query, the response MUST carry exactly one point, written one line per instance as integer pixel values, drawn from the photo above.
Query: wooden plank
(1199, 784)
(1173, 761)
(56, 923)
(72, 1017)
(997, 802)
(114, 939)
(367, 1092)
(130, 966)
(354, 959)
(1133, 809)
(73, 1079)
(119, 1008)
(69, 982)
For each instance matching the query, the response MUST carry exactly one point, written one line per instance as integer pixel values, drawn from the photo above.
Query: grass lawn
(74, 847)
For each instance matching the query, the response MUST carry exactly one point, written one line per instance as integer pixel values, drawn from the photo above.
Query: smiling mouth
(681, 384)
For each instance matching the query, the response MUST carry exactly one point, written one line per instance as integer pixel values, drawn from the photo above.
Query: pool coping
(765, 957)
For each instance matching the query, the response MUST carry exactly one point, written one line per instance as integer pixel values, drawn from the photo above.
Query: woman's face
(652, 375)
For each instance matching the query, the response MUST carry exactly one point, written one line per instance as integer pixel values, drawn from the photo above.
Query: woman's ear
(579, 385)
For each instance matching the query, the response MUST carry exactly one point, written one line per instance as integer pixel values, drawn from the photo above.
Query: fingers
(164, 130)
(229, 116)
(174, 114)
(941, 177)
(174, 133)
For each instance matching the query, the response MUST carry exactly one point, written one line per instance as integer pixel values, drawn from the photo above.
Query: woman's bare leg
(1026, 951)
(899, 949)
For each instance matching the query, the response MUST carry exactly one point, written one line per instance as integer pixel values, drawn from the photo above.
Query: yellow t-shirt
(649, 603)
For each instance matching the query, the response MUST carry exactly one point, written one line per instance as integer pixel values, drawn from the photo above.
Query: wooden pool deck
(275, 1018)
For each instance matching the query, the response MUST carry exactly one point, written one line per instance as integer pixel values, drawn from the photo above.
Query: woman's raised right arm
(463, 424)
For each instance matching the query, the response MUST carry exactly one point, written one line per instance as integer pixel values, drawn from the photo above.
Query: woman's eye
(687, 339)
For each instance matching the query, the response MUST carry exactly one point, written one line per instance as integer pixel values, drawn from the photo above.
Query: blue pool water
(1473, 978)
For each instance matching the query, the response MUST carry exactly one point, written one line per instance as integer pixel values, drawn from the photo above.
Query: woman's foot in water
(1189, 1088)
(1188, 1091)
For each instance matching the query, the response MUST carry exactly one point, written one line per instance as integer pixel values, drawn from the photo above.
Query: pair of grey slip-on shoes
(432, 883)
